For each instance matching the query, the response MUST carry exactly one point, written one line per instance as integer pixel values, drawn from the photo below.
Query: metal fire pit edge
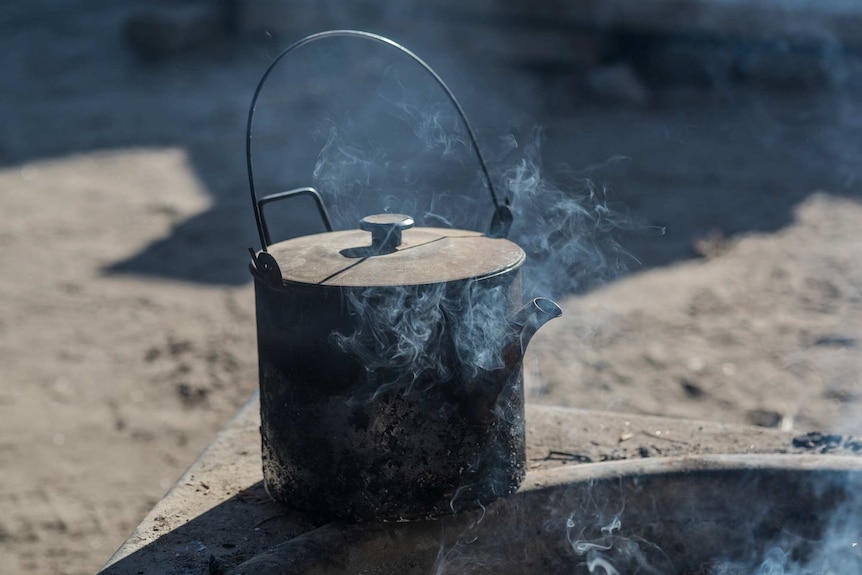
(683, 513)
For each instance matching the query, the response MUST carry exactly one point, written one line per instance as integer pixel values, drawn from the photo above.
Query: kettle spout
(482, 393)
(524, 325)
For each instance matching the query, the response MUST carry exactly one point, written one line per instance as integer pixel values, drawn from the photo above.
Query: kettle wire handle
(502, 218)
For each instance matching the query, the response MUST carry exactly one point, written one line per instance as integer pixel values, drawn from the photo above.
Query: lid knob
(385, 230)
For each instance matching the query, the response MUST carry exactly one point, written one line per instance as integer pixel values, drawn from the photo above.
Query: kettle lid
(393, 254)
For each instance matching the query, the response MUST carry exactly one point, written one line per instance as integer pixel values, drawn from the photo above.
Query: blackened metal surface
(349, 442)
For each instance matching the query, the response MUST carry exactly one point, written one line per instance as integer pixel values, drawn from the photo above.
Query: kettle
(390, 357)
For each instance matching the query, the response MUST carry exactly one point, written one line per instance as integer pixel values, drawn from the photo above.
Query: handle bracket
(318, 201)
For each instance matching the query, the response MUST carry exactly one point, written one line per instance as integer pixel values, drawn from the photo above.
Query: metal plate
(426, 256)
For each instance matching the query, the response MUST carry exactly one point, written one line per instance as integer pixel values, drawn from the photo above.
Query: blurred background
(685, 177)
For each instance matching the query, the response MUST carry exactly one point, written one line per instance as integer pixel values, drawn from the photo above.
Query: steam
(416, 159)
(399, 338)
(566, 226)
(566, 223)
(456, 337)
(838, 552)
(432, 125)
(405, 151)
(461, 556)
(598, 542)
(610, 551)
(407, 335)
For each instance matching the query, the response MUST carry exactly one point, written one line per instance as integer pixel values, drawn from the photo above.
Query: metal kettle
(390, 358)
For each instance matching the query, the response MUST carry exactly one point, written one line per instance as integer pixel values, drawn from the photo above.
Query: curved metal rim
(424, 539)
(689, 464)
(367, 36)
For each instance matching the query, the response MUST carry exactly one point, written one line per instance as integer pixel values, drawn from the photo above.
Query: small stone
(835, 341)
(152, 354)
(764, 418)
(817, 440)
(691, 389)
(696, 364)
(854, 444)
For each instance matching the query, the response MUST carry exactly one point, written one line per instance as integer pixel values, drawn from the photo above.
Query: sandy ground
(126, 317)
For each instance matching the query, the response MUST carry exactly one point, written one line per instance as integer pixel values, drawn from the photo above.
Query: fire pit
(721, 499)
(722, 515)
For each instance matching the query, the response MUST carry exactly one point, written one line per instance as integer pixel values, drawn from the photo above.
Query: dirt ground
(127, 319)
